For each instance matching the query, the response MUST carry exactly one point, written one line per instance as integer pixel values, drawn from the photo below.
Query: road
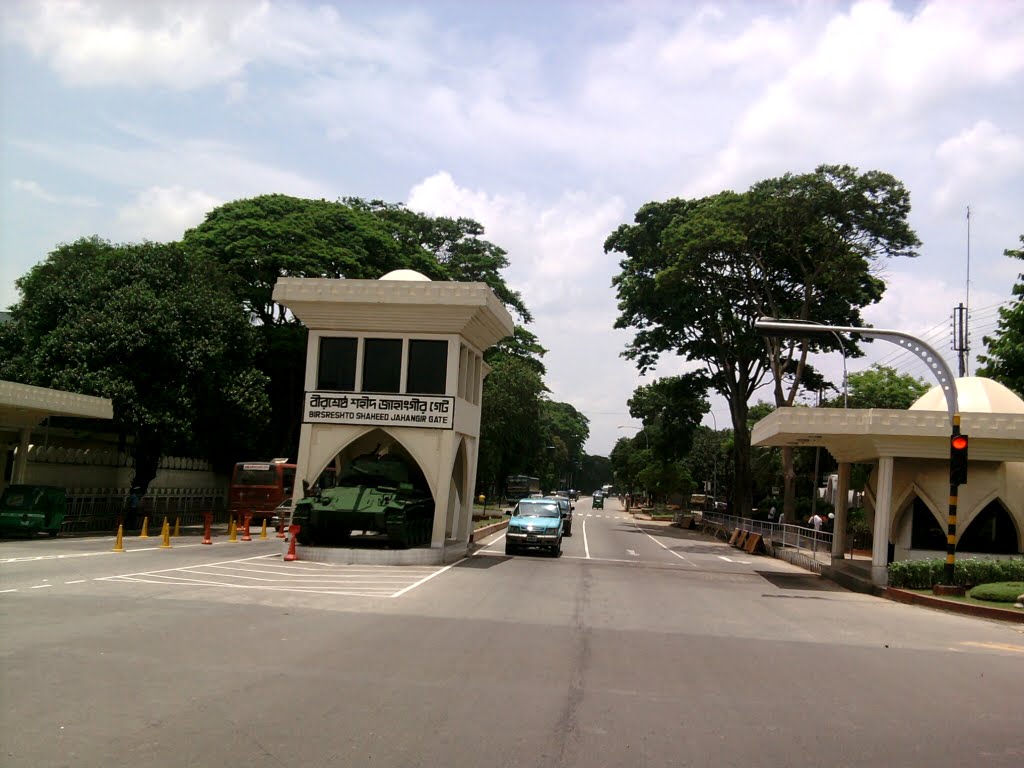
(643, 645)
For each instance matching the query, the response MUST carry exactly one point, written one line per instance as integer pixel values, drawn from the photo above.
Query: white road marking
(41, 586)
(672, 552)
(586, 546)
(730, 560)
(78, 581)
(632, 552)
(428, 578)
(7, 590)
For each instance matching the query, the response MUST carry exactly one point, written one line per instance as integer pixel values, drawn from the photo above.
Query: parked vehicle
(31, 509)
(535, 523)
(258, 487)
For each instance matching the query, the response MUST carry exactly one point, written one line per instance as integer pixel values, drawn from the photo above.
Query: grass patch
(967, 599)
(486, 521)
(1000, 592)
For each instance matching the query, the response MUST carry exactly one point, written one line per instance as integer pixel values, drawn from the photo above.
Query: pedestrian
(816, 521)
(771, 514)
(133, 508)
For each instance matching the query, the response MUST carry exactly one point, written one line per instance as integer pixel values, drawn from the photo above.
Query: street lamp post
(937, 365)
(714, 458)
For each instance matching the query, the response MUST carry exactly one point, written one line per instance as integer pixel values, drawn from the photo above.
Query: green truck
(31, 509)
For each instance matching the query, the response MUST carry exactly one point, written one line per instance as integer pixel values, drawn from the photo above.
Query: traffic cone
(294, 531)
(207, 522)
(263, 530)
(280, 528)
(231, 531)
(245, 530)
(119, 544)
(165, 531)
(144, 533)
(177, 527)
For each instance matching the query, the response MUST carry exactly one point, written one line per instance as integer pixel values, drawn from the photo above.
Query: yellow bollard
(231, 530)
(165, 531)
(177, 526)
(144, 533)
(263, 530)
(119, 544)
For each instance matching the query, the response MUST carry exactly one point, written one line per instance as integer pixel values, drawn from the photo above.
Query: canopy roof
(22, 405)
(863, 435)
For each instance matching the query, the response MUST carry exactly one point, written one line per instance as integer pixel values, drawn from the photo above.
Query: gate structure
(396, 365)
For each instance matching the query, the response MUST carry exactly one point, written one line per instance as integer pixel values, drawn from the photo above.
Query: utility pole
(960, 343)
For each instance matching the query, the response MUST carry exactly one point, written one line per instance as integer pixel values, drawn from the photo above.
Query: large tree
(1004, 360)
(260, 239)
(697, 274)
(154, 328)
(881, 387)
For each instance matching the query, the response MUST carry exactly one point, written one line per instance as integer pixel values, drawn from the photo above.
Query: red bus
(257, 487)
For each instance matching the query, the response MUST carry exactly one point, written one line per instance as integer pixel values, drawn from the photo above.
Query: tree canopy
(1004, 357)
(697, 274)
(881, 387)
(150, 326)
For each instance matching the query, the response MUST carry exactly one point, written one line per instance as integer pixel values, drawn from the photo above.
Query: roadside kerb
(979, 611)
(487, 530)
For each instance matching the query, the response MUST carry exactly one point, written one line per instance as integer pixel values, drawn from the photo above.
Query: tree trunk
(743, 492)
(147, 451)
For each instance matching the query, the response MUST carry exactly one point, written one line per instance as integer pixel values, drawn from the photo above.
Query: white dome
(975, 394)
(405, 274)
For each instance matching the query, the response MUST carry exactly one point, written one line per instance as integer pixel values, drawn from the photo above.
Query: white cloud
(977, 158)
(36, 190)
(163, 213)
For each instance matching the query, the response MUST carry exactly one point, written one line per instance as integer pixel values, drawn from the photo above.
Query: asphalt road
(643, 645)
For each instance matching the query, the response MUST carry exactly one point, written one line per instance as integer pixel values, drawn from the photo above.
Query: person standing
(816, 521)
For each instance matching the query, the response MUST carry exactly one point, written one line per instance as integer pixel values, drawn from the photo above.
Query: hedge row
(969, 572)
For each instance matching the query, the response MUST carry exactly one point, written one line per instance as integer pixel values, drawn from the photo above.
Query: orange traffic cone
(294, 531)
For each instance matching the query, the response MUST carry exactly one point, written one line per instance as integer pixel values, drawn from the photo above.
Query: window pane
(382, 365)
(337, 364)
(428, 367)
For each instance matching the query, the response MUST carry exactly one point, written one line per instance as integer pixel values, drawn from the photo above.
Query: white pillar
(442, 484)
(842, 502)
(883, 522)
(21, 460)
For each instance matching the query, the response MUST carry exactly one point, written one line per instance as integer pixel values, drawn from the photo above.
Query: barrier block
(742, 539)
(735, 535)
(753, 544)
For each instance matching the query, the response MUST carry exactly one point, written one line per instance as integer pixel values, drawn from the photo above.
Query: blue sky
(550, 123)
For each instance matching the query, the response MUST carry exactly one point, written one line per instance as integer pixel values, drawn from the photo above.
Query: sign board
(382, 410)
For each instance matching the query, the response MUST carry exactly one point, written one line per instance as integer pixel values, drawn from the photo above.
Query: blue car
(535, 523)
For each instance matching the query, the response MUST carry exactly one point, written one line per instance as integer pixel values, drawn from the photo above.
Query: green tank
(375, 493)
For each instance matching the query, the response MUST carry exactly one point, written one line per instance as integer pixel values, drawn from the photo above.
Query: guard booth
(396, 365)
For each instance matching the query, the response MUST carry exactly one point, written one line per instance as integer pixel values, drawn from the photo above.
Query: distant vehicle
(32, 509)
(258, 487)
(597, 501)
(565, 507)
(282, 513)
(574, 495)
(520, 487)
(535, 523)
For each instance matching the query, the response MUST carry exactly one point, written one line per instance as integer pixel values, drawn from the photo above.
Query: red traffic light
(959, 442)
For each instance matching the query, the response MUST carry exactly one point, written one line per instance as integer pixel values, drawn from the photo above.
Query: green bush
(1000, 592)
(969, 572)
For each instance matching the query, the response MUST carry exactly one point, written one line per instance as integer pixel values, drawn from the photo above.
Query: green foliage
(881, 387)
(154, 328)
(522, 344)
(697, 274)
(510, 435)
(1004, 359)
(999, 592)
(967, 572)
(671, 409)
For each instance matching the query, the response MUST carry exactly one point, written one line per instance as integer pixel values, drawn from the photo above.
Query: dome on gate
(405, 274)
(975, 394)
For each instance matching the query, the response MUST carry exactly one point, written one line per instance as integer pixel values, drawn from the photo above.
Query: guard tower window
(428, 367)
(337, 368)
(382, 365)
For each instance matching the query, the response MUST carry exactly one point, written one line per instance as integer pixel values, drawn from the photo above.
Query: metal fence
(100, 509)
(802, 542)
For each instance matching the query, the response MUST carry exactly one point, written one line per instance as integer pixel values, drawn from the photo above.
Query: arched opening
(991, 532)
(925, 530)
(458, 503)
(381, 497)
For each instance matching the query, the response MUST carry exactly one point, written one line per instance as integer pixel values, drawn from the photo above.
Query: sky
(550, 123)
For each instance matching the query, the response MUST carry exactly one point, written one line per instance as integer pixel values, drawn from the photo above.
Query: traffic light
(957, 459)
